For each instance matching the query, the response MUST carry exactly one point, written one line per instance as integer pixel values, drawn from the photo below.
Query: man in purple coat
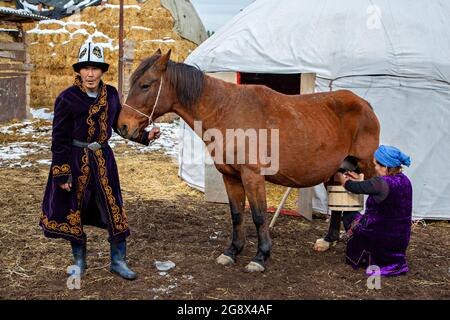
(83, 185)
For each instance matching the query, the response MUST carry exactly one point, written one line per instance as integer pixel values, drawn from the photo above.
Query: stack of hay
(54, 44)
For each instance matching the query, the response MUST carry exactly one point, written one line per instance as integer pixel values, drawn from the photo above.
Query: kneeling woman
(380, 237)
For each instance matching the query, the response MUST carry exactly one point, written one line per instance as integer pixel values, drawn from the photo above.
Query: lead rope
(153, 109)
(154, 106)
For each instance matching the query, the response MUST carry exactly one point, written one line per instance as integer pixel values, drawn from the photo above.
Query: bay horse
(317, 132)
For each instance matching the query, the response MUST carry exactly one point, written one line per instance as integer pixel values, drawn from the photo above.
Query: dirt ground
(170, 221)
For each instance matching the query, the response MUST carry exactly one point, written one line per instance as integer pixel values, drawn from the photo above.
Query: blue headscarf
(391, 157)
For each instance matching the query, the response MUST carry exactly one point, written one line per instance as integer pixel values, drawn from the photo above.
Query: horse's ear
(157, 52)
(161, 63)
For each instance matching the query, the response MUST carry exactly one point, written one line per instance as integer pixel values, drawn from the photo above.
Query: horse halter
(154, 106)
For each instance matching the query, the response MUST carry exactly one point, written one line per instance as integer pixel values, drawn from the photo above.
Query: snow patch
(42, 113)
(140, 28)
(44, 161)
(164, 265)
(165, 289)
(116, 6)
(160, 40)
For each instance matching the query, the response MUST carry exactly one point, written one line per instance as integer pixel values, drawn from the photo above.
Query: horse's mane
(187, 80)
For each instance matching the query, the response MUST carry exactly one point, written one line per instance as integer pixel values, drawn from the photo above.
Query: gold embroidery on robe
(103, 126)
(78, 83)
(95, 108)
(84, 178)
(120, 222)
(73, 227)
(61, 170)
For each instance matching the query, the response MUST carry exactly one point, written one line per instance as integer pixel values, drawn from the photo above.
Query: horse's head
(150, 95)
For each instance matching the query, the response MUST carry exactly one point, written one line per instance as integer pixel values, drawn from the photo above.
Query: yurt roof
(334, 39)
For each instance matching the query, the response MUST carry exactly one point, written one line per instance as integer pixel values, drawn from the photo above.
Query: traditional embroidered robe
(95, 197)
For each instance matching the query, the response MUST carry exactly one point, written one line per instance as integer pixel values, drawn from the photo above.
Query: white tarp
(191, 157)
(187, 22)
(395, 54)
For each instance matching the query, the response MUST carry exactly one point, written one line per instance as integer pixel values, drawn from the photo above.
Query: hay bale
(54, 53)
(8, 4)
(73, 28)
(59, 38)
(50, 26)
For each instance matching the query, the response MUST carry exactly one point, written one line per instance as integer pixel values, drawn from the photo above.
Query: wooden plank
(225, 76)
(6, 54)
(12, 46)
(129, 50)
(304, 202)
(12, 98)
(16, 66)
(307, 83)
(12, 74)
(18, 55)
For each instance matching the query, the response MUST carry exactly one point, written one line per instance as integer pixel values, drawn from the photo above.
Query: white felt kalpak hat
(91, 54)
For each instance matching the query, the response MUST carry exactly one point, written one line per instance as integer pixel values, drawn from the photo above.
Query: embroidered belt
(94, 146)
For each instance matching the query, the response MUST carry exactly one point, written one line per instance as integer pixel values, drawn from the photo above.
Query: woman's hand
(341, 178)
(352, 175)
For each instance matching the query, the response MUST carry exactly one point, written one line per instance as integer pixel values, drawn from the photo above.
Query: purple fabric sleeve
(61, 142)
(145, 140)
(376, 187)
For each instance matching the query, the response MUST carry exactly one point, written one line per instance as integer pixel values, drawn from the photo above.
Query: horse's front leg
(236, 197)
(255, 189)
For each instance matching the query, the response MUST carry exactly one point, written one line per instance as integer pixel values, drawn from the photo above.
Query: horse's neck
(208, 107)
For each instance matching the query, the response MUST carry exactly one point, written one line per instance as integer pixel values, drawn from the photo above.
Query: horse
(316, 134)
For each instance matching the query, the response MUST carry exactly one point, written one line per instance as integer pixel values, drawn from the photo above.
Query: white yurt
(394, 54)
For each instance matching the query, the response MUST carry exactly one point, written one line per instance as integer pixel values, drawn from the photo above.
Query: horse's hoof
(224, 260)
(321, 245)
(254, 267)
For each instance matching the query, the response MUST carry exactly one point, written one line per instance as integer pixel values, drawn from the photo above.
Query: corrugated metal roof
(13, 15)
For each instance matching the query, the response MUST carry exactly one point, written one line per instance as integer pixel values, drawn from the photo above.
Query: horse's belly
(299, 181)
(305, 170)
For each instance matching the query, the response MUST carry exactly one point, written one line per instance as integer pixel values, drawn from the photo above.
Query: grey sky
(215, 13)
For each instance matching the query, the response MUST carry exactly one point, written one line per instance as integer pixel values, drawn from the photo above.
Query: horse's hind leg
(350, 163)
(255, 189)
(236, 197)
(334, 227)
(364, 166)
(367, 167)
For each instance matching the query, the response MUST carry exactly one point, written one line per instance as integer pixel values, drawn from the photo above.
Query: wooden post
(120, 81)
(128, 60)
(307, 85)
(280, 206)
(22, 35)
